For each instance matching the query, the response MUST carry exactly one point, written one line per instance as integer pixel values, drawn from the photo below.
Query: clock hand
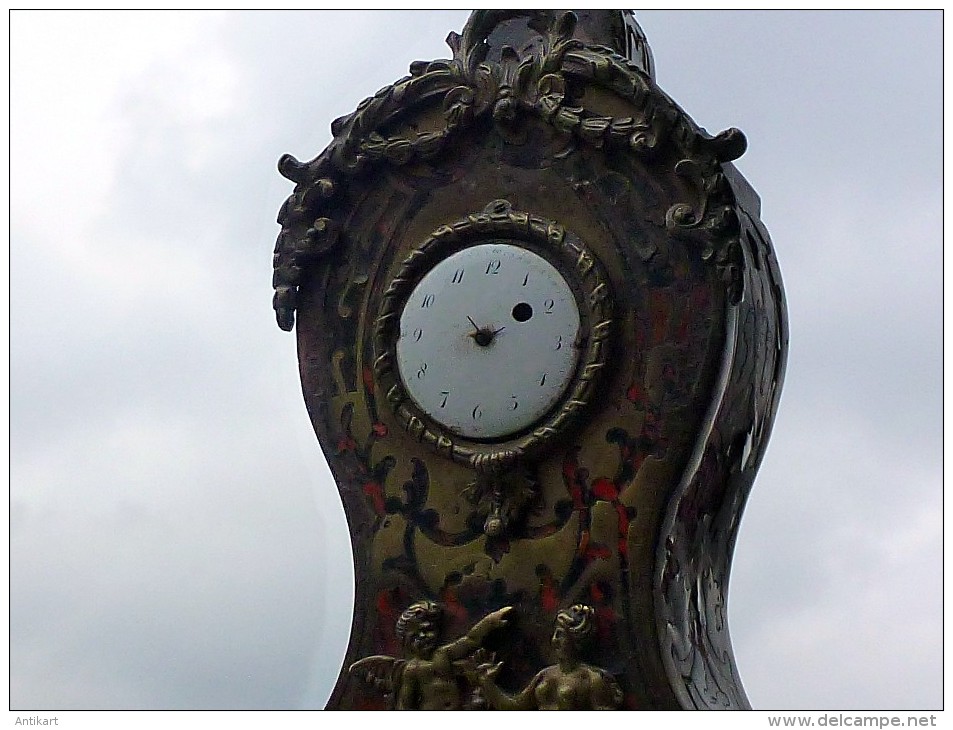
(483, 336)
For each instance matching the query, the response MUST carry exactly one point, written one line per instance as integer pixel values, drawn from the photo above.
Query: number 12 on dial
(487, 344)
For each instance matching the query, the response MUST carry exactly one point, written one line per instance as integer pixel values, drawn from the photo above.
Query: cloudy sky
(176, 540)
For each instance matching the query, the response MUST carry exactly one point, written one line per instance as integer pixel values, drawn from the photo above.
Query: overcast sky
(176, 539)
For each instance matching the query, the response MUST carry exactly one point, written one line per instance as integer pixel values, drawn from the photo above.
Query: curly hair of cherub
(578, 620)
(416, 614)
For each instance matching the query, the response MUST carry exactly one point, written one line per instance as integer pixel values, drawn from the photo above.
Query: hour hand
(483, 336)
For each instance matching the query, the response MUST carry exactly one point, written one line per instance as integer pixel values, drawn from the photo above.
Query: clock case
(633, 509)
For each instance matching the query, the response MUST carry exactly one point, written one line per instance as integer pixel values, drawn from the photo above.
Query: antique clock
(490, 338)
(541, 337)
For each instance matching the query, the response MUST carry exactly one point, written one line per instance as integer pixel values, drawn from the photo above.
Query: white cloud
(67, 72)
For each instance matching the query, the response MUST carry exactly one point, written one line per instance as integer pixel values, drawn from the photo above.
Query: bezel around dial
(590, 286)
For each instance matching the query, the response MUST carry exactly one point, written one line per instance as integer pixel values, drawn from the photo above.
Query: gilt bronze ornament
(569, 684)
(542, 335)
(432, 676)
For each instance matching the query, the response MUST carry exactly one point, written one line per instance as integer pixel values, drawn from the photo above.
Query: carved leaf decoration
(558, 42)
(470, 86)
(725, 146)
(565, 26)
(453, 40)
(292, 169)
(552, 86)
(690, 170)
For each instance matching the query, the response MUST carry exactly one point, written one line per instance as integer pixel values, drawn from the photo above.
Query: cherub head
(418, 628)
(573, 627)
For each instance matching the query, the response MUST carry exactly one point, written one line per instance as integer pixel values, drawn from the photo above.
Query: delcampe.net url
(851, 720)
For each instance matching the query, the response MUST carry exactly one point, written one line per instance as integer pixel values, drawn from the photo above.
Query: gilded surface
(498, 219)
(432, 675)
(632, 513)
(569, 684)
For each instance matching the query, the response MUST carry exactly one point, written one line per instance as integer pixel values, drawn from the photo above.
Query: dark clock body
(633, 505)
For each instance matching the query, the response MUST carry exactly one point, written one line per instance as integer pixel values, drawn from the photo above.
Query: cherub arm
(500, 700)
(473, 639)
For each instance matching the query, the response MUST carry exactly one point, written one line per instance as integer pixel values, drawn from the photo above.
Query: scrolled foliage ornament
(541, 337)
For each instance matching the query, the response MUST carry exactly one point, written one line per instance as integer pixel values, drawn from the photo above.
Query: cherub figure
(570, 684)
(431, 678)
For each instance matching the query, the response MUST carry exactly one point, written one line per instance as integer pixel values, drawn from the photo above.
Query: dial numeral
(542, 380)
(418, 333)
(548, 306)
(428, 301)
(445, 394)
(493, 267)
(477, 412)
(514, 404)
(525, 279)
(457, 276)
(421, 371)
(559, 342)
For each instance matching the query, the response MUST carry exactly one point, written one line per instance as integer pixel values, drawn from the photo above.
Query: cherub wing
(383, 672)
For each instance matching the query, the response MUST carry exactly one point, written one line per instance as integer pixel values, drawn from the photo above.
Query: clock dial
(492, 337)
(489, 340)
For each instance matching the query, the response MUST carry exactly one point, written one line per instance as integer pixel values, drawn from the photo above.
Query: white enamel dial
(488, 340)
